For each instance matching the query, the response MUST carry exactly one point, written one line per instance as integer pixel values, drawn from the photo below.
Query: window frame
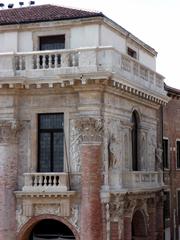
(178, 168)
(167, 191)
(168, 163)
(177, 206)
(51, 132)
(49, 32)
(136, 128)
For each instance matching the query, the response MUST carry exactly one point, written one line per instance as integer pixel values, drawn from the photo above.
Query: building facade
(80, 128)
(171, 164)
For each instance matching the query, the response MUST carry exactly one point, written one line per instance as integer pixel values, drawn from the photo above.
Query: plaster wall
(84, 36)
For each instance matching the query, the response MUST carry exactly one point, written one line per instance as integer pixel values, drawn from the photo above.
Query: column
(90, 130)
(8, 178)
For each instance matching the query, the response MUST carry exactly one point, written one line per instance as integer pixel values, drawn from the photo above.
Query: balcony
(142, 180)
(52, 64)
(46, 182)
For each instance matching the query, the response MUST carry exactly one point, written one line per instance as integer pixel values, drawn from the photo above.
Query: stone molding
(90, 129)
(27, 208)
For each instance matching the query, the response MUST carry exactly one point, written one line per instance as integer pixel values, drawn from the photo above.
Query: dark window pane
(134, 135)
(51, 142)
(52, 42)
(51, 121)
(178, 153)
(58, 152)
(167, 205)
(165, 153)
(45, 152)
(178, 207)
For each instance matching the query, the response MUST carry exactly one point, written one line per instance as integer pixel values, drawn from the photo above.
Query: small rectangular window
(178, 153)
(52, 42)
(132, 52)
(165, 153)
(178, 205)
(166, 205)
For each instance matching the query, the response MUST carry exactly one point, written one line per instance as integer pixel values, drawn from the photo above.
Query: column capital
(90, 129)
(8, 131)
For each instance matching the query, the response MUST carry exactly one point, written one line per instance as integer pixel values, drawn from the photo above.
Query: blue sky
(156, 22)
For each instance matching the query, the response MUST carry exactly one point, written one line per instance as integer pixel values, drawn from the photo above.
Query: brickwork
(172, 175)
(114, 231)
(8, 176)
(127, 228)
(91, 212)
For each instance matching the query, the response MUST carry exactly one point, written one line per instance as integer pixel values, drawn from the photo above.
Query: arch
(135, 140)
(26, 230)
(139, 225)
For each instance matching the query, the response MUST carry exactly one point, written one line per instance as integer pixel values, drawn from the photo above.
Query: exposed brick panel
(91, 209)
(127, 228)
(114, 231)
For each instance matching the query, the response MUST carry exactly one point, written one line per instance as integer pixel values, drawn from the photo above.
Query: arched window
(135, 141)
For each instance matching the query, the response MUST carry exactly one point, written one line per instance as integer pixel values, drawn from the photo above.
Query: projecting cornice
(85, 80)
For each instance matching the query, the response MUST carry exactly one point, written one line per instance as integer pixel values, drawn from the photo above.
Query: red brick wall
(91, 209)
(114, 231)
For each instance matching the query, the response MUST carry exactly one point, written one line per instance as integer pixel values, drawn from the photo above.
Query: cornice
(82, 82)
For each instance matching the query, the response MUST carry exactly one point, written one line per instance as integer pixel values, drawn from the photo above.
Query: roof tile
(42, 13)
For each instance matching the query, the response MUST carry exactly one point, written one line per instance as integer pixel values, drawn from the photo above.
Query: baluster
(73, 60)
(20, 62)
(35, 181)
(44, 61)
(58, 177)
(55, 61)
(50, 60)
(33, 64)
(38, 59)
(40, 180)
(45, 180)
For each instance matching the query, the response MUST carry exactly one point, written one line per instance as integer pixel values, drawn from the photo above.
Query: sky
(156, 22)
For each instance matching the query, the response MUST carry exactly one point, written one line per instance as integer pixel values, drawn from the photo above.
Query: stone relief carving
(117, 207)
(113, 142)
(158, 158)
(47, 209)
(113, 153)
(126, 155)
(20, 218)
(9, 131)
(74, 217)
(143, 164)
(75, 139)
(151, 149)
(90, 129)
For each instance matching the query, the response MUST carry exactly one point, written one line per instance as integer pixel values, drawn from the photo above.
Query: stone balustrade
(142, 179)
(45, 182)
(43, 64)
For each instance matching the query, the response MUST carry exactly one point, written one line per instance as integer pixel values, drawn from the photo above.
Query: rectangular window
(165, 153)
(131, 52)
(178, 153)
(166, 205)
(52, 42)
(178, 205)
(51, 142)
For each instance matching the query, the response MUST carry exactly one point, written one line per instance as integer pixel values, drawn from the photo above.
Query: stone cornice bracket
(90, 129)
(9, 130)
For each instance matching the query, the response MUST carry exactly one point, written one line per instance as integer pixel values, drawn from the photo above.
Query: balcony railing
(78, 61)
(45, 182)
(142, 179)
